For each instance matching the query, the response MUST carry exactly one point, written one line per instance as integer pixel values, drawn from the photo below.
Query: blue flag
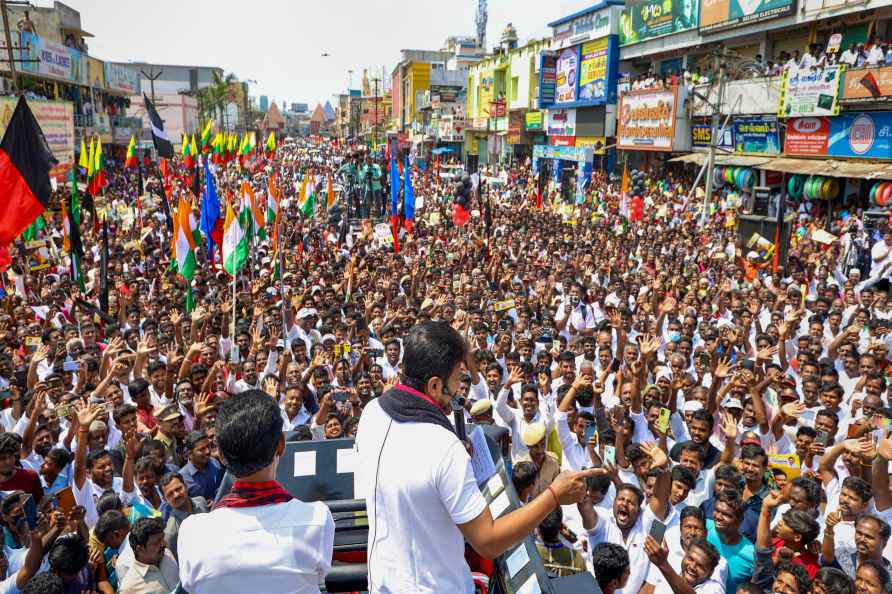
(211, 223)
(409, 205)
(394, 187)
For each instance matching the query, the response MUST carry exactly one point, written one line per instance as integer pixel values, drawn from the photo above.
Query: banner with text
(865, 135)
(644, 19)
(808, 92)
(867, 85)
(647, 120)
(756, 134)
(53, 60)
(56, 119)
(121, 78)
(593, 70)
(567, 71)
(724, 14)
(807, 136)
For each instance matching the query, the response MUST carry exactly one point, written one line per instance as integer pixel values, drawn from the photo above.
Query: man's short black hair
(550, 527)
(712, 554)
(143, 529)
(45, 583)
(684, 476)
(192, 439)
(692, 511)
(523, 474)
(812, 489)
(609, 562)
(68, 555)
(881, 524)
(835, 581)
(861, 487)
(169, 478)
(249, 429)
(109, 522)
(60, 456)
(803, 581)
(803, 524)
(432, 349)
(690, 446)
(9, 444)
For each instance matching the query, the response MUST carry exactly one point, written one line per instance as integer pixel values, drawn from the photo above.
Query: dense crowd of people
(736, 417)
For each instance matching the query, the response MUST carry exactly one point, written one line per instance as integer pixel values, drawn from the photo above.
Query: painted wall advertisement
(810, 92)
(567, 71)
(646, 120)
(121, 78)
(56, 119)
(724, 14)
(867, 85)
(807, 136)
(593, 70)
(644, 19)
(756, 134)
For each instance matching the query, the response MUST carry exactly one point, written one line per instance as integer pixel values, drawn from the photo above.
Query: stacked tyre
(881, 194)
(743, 178)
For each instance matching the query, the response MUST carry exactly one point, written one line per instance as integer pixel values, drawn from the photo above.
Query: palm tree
(213, 98)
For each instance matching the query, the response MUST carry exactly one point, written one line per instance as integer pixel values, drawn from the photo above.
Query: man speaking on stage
(422, 499)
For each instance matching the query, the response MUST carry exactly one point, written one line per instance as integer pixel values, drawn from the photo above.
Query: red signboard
(562, 140)
(807, 136)
(497, 109)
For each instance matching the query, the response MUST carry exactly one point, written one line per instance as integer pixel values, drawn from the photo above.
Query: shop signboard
(567, 72)
(497, 108)
(593, 79)
(52, 60)
(596, 143)
(756, 134)
(581, 29)
(724, 14)
(547, 78)
(562, 140)
(701, 137)
(120, 78)
(867, 85)
(56, 120)
(561, 122)
(807, 136)
(564, 153)
(645, 19)
(533, 120)
(646, 120)
(811, 92)
(861, 135)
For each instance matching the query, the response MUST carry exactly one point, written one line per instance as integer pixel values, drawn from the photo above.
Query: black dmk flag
(159, 136)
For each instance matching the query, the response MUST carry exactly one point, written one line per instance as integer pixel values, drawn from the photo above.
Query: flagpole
(281, 256)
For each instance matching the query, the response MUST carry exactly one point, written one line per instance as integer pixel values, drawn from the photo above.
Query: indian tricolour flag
(185, 242)
(272, 200)
(235, 243)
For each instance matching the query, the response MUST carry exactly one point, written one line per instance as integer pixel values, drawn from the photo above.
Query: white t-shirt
(419, 486)
(284, 547)
(714, 584)
(607, 530)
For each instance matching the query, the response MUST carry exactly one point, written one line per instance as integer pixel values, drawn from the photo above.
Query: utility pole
(375, 99)
(716, 129)
(152, 76)
(15, 78)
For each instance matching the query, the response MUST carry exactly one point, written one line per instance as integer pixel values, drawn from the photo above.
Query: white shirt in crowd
(283, 548)
(414, 542)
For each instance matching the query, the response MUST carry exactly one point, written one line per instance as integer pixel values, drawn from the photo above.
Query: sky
(279, 43)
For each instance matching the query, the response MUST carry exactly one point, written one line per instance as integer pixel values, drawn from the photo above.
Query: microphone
(458, 416)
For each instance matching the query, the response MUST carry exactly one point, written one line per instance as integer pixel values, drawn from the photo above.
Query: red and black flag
(25, 162)
(869, 82)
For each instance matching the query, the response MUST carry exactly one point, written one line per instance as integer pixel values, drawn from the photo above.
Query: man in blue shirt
(723, 532)
(202, 474)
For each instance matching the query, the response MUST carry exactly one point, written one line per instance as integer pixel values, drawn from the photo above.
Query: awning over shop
(732, 160)
(830, 167)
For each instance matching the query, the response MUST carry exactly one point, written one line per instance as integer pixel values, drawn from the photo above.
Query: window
(515, 85)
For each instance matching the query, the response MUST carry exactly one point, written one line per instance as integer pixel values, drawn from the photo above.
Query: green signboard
(645, 19)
